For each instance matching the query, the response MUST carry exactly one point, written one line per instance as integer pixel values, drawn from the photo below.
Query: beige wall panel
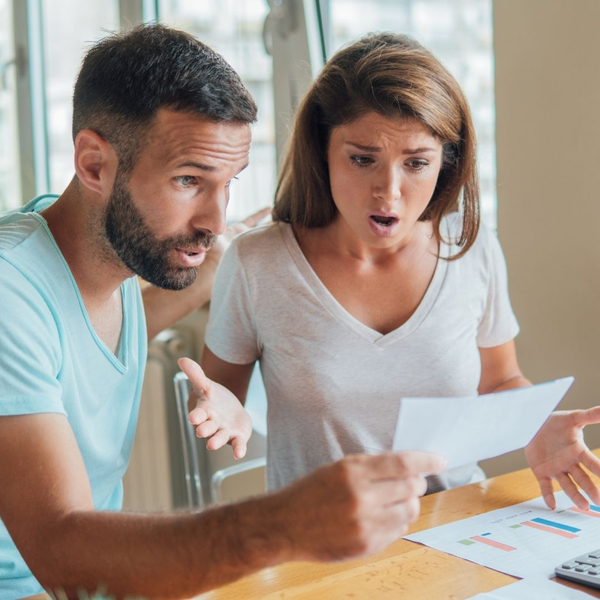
(548, 151)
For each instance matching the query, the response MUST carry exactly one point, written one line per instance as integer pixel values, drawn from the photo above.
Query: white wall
(548, 151)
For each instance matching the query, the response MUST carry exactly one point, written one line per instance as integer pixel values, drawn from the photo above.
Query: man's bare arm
(354, 507)
(164, 308)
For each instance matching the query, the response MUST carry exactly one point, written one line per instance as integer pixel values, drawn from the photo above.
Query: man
(160, 127)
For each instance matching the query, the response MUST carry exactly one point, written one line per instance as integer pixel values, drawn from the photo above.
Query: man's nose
(210, 215)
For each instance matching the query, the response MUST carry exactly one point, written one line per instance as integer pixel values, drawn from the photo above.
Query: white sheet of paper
(532, 588)
(523, 540)
(467, 430)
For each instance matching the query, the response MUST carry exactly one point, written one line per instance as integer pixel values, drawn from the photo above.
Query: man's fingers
(394, 491)
(587, 417)
(218, 440)
(584, 481)
(200, 382)
(257, 217)
(405, 512)
(393, 465)
(571, 490)
(239, 447)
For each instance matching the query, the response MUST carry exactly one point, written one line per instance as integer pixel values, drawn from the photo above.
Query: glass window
(233, 28)
(64, 47)
(459, 33)
(10, 193)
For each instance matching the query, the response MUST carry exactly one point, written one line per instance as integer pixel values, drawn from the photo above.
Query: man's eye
(361, 161)
(185, 180)
(229, 182)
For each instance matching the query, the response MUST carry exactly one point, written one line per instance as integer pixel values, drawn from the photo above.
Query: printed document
(467, 430)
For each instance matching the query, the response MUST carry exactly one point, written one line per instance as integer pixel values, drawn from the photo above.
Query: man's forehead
(176, 135)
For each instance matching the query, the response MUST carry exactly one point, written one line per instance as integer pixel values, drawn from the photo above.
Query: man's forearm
(172, 556)
(163, 308)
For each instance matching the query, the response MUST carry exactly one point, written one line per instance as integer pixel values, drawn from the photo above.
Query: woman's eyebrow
(365, 148)
(379, 148)
(417, 150)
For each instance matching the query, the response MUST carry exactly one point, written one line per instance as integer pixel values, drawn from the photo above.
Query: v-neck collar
(348, 320)
(118, 359)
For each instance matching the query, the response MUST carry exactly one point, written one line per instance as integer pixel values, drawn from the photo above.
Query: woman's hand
(215, 412)
(558, 452)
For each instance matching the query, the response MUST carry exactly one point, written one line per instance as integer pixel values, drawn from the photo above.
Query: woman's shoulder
(451, 231)
(258, 243)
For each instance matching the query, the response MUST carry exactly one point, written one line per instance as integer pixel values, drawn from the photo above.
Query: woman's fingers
(239, 447)
(547, 492)
(218, 440)
(571, 490)
(200, 382)
(197, 416)
(206, 429)
(584, 481)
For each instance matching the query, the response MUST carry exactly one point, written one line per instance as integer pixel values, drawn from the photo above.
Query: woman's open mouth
(383, 224)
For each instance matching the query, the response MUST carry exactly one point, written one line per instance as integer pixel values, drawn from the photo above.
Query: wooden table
(405, 569)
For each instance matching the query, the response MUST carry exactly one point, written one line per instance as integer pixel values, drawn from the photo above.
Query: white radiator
(152, 481)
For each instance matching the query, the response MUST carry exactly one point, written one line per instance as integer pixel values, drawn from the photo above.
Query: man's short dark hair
(126, 78)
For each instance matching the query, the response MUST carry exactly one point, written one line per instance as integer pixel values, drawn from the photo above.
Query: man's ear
(95, 162)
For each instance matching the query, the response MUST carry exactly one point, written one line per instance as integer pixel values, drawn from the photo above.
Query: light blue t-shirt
(52, 361)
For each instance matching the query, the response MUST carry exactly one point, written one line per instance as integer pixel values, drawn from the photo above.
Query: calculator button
(582, 568)
(593, 562)
(595, 554)
(569, 565)
(593, 572)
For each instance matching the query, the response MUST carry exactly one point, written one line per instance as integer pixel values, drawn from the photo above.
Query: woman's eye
(185, 180)
(361, 161)
(418, 164)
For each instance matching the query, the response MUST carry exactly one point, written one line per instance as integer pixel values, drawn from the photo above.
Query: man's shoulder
(16, 228)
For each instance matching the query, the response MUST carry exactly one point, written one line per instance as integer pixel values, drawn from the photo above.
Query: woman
(370, 285)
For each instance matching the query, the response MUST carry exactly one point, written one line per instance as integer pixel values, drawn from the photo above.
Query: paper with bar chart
(523, 540)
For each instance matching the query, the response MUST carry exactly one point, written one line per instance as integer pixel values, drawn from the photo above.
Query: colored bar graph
(492, 543)
(549, 529)
(555, 524)
(589, 513)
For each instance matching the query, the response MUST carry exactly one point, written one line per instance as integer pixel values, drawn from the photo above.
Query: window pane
(10, 193)
(233, 28)
(459, 33)
(70, 28)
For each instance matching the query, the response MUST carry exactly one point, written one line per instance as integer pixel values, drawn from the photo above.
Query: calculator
(584, 569)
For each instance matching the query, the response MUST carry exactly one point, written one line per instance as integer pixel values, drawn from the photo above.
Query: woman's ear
(95, 162)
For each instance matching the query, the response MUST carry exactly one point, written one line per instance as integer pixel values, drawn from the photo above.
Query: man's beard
(140, 250)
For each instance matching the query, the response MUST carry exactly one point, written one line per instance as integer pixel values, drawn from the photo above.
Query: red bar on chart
(550, 529)
(492, 543)
(589, 513)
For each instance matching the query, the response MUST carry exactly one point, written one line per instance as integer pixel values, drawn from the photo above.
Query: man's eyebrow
(196, 166)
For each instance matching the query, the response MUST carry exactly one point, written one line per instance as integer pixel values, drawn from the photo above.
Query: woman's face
(383, 173)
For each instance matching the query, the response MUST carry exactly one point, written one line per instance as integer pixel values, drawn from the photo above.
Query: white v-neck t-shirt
(333, 384)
